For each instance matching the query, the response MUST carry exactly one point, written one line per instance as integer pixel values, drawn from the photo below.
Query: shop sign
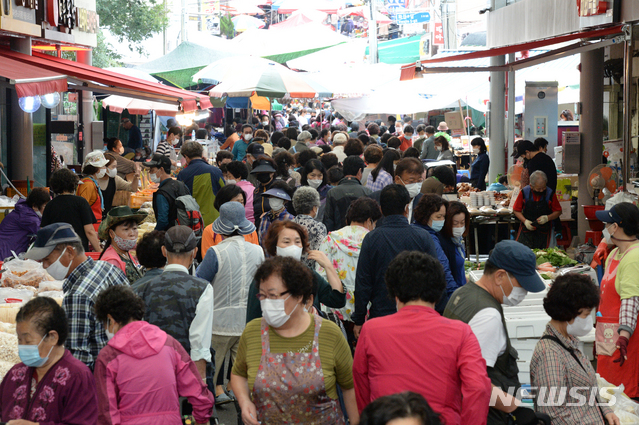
(438, 36)
(87, 20)
(591, 7)
(412, 17)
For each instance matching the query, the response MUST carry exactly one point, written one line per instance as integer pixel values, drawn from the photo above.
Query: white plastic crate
(530, 325)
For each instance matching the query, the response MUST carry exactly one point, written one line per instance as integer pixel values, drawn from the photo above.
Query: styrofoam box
(529, 325)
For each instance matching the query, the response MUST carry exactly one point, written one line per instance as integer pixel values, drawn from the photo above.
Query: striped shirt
(81, 289)
(336, 358)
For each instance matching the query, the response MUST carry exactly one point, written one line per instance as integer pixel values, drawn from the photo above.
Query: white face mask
(274, 312)
(458, 232)
(413, 189)
(475, 151)
(315, 183)
(112, 172)
(580, 326)
(154, 178)
(101, 173)
(276, 204)
(292, 251)
(516, 296)
(231, 182)
(106, 330)
(264, 123)
(606, 234)
(439, 148)
(248, 137)
(57, 270)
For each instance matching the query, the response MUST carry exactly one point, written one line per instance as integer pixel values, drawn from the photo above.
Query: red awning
(87, 73)
(30, 80)
(500, 51)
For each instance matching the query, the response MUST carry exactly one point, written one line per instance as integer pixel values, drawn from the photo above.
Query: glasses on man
(262, 297)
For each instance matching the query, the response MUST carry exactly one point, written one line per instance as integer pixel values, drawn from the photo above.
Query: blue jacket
(456, 258)
(379, 248)
(451, 284)
(479, 169)
(203, 181)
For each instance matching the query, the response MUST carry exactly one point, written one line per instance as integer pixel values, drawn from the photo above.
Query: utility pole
(449, 23)
(164, 33)
(372, 34)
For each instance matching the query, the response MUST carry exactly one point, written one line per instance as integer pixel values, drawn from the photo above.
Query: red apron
(607, 335)
(289, 387)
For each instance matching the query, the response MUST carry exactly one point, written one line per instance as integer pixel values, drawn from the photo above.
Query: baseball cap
(48, 238)
(159, 161)
(277, 193)
(262, 166)
(255, 149)
(609, 216)
(518, 260)
(232, 217)
(180, 239)
(522, 147)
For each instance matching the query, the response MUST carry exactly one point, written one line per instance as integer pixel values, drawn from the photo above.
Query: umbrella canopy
(300, 17)
(132, 72)
(242, 7)
(400, 50)
(138, 107)
(267, 79)
(178, 66)
(364, 12)
(245, 22)
(287, 44)
(349, 53)
(223, 69)
(351, 80)
(327, 6)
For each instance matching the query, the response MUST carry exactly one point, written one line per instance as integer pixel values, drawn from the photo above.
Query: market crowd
(315, 264)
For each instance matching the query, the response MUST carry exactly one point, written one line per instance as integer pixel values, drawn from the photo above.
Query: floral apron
(289, 387)
(606, 334)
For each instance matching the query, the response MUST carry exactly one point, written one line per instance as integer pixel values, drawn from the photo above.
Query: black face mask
(263, 178)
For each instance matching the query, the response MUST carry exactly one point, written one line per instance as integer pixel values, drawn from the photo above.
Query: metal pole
(164, 34)
(183, 22)
(497, 124)
(627, 93)
(372, 34)
(510, 134)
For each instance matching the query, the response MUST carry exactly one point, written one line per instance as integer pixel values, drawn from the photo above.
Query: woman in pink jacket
(142, 371)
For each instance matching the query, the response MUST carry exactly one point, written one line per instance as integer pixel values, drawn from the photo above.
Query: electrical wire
(11, 184)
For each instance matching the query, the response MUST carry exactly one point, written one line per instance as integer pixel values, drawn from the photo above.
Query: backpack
(188, 214)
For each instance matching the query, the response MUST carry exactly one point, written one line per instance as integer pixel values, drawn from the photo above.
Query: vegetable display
(555, 256)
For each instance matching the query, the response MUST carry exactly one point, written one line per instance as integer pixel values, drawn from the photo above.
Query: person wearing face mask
(479, 167)
(120, 231)
(19, 226)
(536, 207)
(168, 191)
(557, 361)
(616, 342)
(239, 148)
(510, 273)
(59, 249)
(443, 147)
(263, 171)
(125, 166)
(537, 160)
(278, 195)
(236, 172)
(289, 239)
(409, 174)
(343, 246)
(143, 371)
(313, 174)
(167, 147)
(230, 266)
(380, 246)
(48, 386)
(430, 215)
(458, 385)
(306, 202)
(94, 168)
(189, 316)
(290, 334)
(451, 239)
(111, 183)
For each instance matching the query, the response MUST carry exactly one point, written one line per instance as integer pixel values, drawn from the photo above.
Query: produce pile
(553, 257)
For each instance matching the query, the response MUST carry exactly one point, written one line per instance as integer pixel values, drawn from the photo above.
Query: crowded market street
(366, 212)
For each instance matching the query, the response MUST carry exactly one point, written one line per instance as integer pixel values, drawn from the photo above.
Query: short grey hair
(534, 177)
(192, 150)
(77, 247)
(304, 135)
(305, 199)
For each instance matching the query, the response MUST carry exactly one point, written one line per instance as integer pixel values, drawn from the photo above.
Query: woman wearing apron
(111, 183)
(94, 168)
(290, 362)
(617, 345)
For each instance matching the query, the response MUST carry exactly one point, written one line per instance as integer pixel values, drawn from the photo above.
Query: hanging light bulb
(29, 104)
(50, 100)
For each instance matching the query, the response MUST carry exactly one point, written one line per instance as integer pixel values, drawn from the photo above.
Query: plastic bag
(23, 272)
(12, 295)
(50, 285)
(619, 198)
